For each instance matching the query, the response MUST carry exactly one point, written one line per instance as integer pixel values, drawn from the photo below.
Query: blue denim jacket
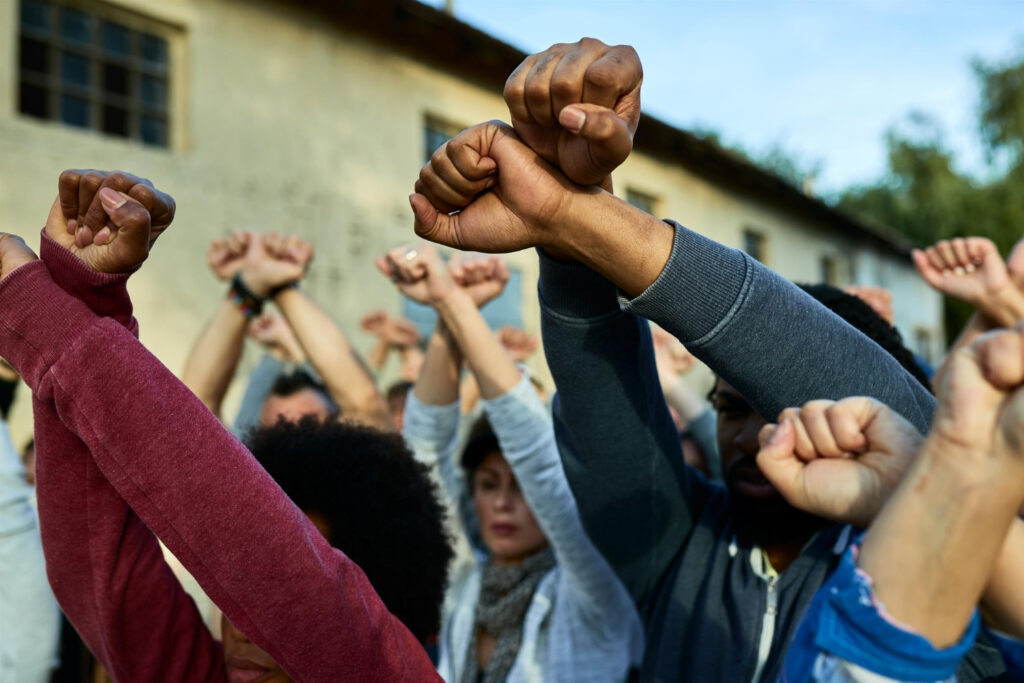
(845, 632)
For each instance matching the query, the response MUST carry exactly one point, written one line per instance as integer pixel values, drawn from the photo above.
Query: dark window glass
(84, 70)
(35, 14)
(115, 121)
(74, 69)
(75, 26)
(74, 111)
(644, 202)
(154, 92)
(34, 100)
(154, 50)
(154, 131)
(116, 39)
(753, 244)
(35, 56)
(115, 79)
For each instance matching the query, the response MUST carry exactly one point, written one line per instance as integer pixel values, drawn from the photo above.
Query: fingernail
(573, 119)
(959, 271)
(969, 268)
(72, 226)
(103, 236)
(779, 433)
(111, 199)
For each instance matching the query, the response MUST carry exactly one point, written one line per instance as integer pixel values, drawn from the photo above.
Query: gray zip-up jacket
(710, 612)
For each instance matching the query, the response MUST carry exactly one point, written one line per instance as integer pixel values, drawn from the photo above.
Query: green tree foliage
(924, 196)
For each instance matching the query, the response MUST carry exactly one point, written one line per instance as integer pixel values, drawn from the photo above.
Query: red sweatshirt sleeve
(198, 489)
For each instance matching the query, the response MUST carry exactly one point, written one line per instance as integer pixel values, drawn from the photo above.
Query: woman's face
(506, 522)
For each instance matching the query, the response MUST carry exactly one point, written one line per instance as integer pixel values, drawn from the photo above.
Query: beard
(772, 521)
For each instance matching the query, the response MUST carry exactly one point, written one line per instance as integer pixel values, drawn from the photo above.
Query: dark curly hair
(380, 505)
(289, 384)
(859, 314)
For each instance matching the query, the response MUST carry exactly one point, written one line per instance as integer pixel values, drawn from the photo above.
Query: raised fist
(578, 105)
(108, 220)
(226, 256)
(509, 197)
(273, 261)
(418, 272)
(838, 460)
(394, 331)
(972, 270)
(484, 279)
(518, 343)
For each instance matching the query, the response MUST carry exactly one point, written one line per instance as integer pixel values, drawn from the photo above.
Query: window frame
(98, 98)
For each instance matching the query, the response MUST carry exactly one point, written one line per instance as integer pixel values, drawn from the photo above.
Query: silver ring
(411, 254)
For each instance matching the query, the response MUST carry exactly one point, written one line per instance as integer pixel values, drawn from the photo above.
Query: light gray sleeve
(29, 617)
(526, 434)
(768, 338)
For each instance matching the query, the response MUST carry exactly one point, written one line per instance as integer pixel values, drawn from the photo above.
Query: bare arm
(214, 357)
(329, 351)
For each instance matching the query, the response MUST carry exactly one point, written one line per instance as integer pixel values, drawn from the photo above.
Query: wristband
(280, 288)
(248, 301)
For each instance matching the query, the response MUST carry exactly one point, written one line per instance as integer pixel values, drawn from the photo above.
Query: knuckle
(600, 76)
(536, 91)
(564, 87)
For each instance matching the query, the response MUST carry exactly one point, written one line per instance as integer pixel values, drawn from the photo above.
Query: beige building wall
(283, 122)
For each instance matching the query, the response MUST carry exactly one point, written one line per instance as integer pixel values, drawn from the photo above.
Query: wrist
(1004, 307)
(247, 300)
(454, 302)
(966, 468)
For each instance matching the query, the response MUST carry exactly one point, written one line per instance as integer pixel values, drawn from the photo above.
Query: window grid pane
(86, 71)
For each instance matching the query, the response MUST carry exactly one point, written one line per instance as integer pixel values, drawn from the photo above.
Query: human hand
(578, 106)
(518, 343)
(510, 198)
(418, 272)
(227, 255)
(274, 260)
(838, 460)
(117, 218)
(484, 279)
(878, 298)
(394, 331)
(274, 334)
(979, 418)
(972, 271)
(671, 357)
(14, 254)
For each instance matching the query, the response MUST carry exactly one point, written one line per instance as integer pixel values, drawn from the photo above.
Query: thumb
(431, 224)
(131, 219)
(14, 253)
(778, 460)
(611, 141)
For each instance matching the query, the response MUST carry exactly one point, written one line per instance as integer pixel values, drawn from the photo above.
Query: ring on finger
(411, 254)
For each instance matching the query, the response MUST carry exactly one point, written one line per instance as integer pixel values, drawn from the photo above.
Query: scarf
(505, 595)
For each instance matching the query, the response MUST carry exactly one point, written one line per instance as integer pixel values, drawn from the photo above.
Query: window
(829, 270)
(644, 202)
(436, 132)
(89, 71)
(754, 243)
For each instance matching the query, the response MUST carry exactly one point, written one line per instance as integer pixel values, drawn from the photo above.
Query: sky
(825, 79)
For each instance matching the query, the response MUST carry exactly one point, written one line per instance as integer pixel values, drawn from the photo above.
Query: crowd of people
(833, 510)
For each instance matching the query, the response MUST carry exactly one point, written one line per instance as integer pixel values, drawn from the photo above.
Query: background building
(314, 117)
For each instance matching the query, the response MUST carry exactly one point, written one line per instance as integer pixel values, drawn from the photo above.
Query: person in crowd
(943, 534)
(264, 268)
(715, 609)
(121, 468)
(541, 603)
(29, 618)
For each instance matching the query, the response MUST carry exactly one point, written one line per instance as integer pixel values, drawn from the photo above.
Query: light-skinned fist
(226, 256)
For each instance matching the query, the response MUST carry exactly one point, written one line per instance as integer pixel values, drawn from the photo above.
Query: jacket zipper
(767, 629)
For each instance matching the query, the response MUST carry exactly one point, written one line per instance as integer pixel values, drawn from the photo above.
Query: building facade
(314, 118)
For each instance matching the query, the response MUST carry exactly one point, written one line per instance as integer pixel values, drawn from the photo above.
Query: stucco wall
(281, 122)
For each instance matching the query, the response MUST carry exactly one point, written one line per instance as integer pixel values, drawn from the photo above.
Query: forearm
(330, 352)
(932, 548)
(1003, 602)
(214, 357)
(379, 354)
(162, 451)
(438, 383)
(495, 372)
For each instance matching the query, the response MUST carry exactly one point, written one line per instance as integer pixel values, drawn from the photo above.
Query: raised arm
(214, 357)
(145, 437)
(278, 261)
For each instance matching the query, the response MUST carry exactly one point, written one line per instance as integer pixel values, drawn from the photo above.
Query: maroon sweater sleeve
(197, 488)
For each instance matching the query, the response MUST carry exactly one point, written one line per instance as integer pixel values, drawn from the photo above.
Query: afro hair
(380, 505)
(859, 314)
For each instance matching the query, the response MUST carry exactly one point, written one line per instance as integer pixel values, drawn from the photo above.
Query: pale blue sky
(823, 78)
